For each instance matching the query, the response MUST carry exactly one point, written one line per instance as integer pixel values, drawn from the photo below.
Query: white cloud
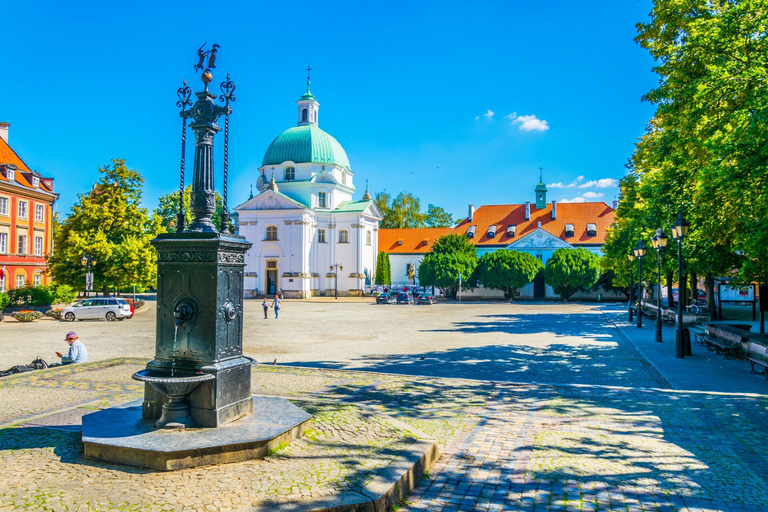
(488, 115)
(601, 183)
(574, 200)
(531, 123)
(511, 116)
(580, 178)
(559, 184)
(593, 195)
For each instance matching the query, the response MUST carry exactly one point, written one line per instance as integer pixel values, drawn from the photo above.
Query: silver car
(109, 309)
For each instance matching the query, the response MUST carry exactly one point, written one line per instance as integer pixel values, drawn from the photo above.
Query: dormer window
(290, 173)
(591, 229)
(511, 230)
(569, 231)
(491, 231)
(11, 174)
(35, 181)
(471, 231)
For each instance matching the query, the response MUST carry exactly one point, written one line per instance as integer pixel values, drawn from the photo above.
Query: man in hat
(77, 351)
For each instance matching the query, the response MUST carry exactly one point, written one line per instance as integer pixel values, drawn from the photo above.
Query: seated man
(77, 351)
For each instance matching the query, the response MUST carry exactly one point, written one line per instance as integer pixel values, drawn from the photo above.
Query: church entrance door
(539, 287)
(271, 277)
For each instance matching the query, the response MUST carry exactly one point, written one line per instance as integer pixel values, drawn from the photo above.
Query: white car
(109, 309)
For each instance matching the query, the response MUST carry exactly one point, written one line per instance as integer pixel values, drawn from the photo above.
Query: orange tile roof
(501, 216)
(578, 214)
(9, 156)
(413, 240)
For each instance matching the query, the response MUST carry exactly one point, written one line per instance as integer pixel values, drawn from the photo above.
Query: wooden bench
(720, 341)
(668, 316)
(759, 362)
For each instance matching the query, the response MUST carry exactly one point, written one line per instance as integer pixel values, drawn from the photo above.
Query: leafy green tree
(507, 270)
(451, 256)
(437, 217)
(383, 269)
(572, 270)
(168, 207)
(109, 224)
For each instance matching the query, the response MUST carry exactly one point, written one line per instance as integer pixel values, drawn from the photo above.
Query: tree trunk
(694, 287)
(709, 286)
(670, 282)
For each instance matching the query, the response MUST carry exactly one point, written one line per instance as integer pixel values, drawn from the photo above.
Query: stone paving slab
(504, 447)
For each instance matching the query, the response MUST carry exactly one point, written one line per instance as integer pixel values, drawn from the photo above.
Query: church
(310, 236)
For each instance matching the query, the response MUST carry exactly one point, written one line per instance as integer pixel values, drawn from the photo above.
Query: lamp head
(631, 256)
(662, 239)
(84, 260)
(640, 250)
(341, 268)
(680, 229)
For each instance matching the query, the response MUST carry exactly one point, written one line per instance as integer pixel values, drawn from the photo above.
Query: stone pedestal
(202, 274)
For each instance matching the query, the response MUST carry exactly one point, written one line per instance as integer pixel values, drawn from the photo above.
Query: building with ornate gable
(26, 220)
(310, 236)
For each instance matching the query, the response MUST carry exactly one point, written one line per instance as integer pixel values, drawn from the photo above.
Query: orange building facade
(26, 220)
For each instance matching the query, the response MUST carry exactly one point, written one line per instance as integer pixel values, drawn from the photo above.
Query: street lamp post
(336, 268)
(659, 242)
(631, 288)
(639, 253)
(87, 260)
(682, 336)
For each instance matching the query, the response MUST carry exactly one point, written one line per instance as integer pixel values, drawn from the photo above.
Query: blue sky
(408, 88)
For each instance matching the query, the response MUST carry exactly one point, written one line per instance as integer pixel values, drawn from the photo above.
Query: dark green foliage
(451, 256)
(168, 207)
(4, 300)
(507, 270)
(383, 269)
(437, 217)
(31, 296)
(572, 270)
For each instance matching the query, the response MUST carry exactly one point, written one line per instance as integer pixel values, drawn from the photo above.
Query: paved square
(573, 420)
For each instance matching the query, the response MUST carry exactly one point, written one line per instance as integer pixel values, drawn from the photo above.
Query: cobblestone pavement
(505, 446)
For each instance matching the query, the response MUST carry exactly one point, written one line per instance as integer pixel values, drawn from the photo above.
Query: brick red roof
(501, 216)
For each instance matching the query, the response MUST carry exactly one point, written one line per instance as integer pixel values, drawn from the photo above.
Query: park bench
(720, 341)
(759, 362)
(668, 316)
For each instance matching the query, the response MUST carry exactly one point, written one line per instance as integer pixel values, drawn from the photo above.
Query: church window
(343, 236)
(290, 173)
(321, 236)
(271, 233)
(321, 202)
(304, 115)
(367, 238)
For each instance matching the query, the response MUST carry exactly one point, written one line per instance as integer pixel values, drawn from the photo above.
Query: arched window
(304, 115)
(290, 173)
(367, 238)
(271, 233)
(343, 236)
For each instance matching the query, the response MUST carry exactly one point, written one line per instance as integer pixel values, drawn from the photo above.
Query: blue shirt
(77, 354)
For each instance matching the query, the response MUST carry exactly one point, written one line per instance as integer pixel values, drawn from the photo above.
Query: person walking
(276, 305)
(77, 351)
(265, 305)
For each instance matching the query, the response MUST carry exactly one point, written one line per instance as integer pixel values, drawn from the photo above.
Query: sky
(455, 102)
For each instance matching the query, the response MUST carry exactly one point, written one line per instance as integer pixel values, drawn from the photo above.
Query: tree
(437, 217)
(383, 269)
(572, 270)
(109, 224)
(168, 207)
(507, 270)
(451, 256)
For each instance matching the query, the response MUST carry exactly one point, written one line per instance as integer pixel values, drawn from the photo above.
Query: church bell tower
(308, 105)
(541, 192)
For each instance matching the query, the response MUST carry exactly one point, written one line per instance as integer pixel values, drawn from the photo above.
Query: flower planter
(27, 316)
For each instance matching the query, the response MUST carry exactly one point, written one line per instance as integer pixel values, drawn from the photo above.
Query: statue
(210, 54)
(212, 58)
(201, 54)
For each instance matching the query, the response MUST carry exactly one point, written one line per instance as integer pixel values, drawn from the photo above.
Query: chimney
(554, 210)
(471, 214)
(615, 204)
(4, 131)
(527, 210)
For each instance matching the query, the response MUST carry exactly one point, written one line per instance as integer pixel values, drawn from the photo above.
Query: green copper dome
(305, 143)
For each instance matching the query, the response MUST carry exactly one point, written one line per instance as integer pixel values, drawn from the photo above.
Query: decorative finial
(251, 197)
(272, 185)
(206, 77)
(309, 69)
(541, 175)
(367, 195)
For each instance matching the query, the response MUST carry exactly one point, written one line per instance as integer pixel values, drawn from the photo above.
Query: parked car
(425, 298)
(107, 308)
(385, 298)
(130, 305)
(404, 298)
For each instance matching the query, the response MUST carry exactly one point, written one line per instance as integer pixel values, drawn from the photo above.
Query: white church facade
(310, 236)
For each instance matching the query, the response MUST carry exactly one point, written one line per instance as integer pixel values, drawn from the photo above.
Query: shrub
(27, 316)
(63, 293)
(54, 313)
(31, 296)
(4, 300)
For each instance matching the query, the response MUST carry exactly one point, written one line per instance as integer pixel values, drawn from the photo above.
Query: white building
(309, 236)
